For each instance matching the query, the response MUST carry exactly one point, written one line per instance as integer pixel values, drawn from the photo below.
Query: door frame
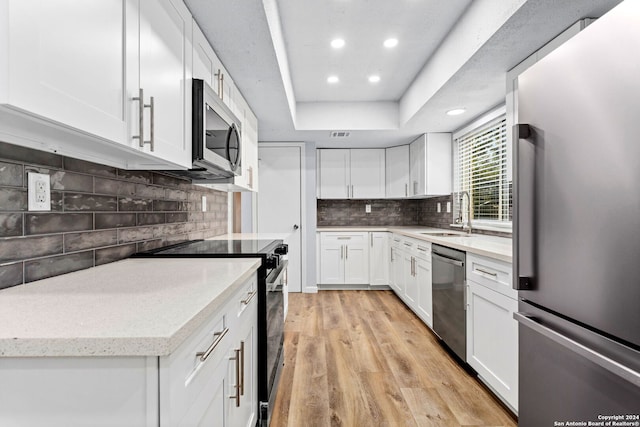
(305, 234)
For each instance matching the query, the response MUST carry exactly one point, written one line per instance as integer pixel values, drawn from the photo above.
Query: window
(481, 168)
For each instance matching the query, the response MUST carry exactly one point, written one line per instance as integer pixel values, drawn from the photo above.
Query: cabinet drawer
(245, 298)
(343, 237)
(186, 372)
(423, 251)
(494, 274)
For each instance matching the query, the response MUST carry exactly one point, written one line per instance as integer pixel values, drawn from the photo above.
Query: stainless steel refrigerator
(577, 227)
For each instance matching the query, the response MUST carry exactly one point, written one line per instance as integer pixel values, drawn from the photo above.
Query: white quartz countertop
(252, 236)
(490, 246)
(134, 307)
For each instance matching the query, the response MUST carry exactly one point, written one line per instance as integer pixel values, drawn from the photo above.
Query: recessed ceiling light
(337, 43)
(390, 42)
(456, 111)
(374, 79)
(333, 79)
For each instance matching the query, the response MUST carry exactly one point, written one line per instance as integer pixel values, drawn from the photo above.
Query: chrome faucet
(468, 226)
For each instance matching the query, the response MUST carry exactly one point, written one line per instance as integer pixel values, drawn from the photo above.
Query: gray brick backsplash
(11, 274)
(99, 214)
(170, 181)
(114, 220)
(149, 191)
(89, 168)
(145, 177)
(107, 255)
(46, 223)
(55, 266)
(151, 218)
(29, 156)
(126, 235)
(13, 199)
(89, 202)
(91, 239)
(20, 248)
(114, 186)
(134, 204)
(10, 224)
(177, 217)
(11, 174)
(166, 205)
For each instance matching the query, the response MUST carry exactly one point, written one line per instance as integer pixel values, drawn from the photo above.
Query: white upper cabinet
(397, 172)
(351, 174)
(164, 72)
(430, 158)
(74, 69)
(208, 67)
(333, 174)
(65, 63)
(367, 174)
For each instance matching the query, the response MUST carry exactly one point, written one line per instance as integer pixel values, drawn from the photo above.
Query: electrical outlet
(367, 208)
(204, 203)
(448, 207)
(39, 191)
(439, 207)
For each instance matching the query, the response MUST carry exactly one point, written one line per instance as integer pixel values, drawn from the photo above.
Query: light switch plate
(448, 207)
(39, 191)
(204, 203)
(367, 208)
(439, 207)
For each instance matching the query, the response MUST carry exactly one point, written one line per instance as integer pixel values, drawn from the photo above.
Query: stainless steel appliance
(216, 140)
(271, 278)
(449, 298)
(577, 227)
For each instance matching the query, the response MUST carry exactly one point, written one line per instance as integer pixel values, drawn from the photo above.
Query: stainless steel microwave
(216, 138)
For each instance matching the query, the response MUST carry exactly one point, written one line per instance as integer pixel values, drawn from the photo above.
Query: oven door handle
(275, 275)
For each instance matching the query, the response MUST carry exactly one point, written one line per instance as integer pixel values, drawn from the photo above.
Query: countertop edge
(409, 232)
(132, 346)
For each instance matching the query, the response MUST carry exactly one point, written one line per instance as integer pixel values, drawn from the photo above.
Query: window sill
(486, 227)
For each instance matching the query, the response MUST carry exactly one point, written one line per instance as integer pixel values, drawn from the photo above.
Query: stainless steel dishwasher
(449, 305)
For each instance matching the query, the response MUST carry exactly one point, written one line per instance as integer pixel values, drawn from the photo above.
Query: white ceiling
(450, 54)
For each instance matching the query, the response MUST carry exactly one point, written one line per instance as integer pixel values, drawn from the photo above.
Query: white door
(410, 284)
(417, 152)
(279, 202)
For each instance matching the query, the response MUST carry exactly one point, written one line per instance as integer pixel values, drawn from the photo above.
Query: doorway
(279, 201)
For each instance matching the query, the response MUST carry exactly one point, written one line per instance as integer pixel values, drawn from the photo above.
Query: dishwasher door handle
(448, 260)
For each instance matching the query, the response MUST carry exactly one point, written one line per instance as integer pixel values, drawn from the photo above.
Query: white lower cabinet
(344, 258)
(492, 332)
(396, 277)
(411, 275)
(379, 258)
(190, 387)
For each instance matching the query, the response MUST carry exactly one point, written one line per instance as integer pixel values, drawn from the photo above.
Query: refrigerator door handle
(601, 360)
(524, 209)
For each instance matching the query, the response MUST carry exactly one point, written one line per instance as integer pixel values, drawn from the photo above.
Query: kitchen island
(139, 342)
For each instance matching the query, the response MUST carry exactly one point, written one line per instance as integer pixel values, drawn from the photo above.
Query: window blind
(481, 169)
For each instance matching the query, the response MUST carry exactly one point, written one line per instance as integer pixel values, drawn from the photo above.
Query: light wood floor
(361, 358)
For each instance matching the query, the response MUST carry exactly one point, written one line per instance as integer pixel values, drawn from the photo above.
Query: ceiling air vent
(340, 134)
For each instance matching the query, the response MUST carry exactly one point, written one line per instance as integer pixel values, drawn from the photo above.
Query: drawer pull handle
(236, 396)
(242, 368)
(422, 248)
(487, 272)
(344, 238)
(249, 297)
(203, 355)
